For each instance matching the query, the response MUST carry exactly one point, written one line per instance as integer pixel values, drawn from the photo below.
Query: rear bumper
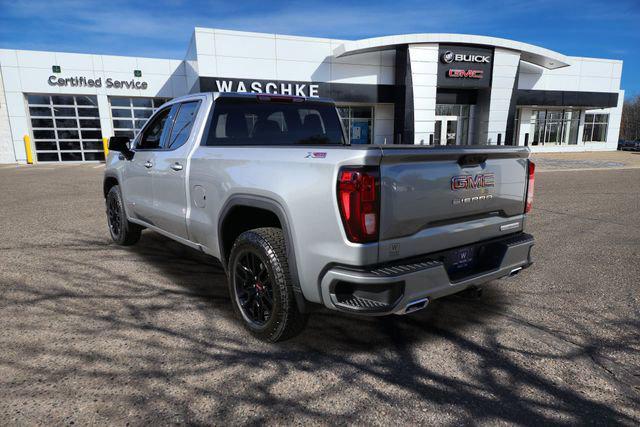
(389, 289)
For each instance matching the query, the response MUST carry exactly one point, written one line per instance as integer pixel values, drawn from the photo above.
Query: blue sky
(162, 28)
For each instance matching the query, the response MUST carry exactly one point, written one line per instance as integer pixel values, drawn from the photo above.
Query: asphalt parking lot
(92, 333)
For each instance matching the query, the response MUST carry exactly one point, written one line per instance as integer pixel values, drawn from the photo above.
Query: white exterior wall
(7, 154)
(383, 124)
(26, 72)
(239, 54)
(424, 76)
(584, 74)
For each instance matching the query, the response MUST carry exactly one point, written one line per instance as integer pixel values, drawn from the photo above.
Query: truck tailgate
(434, 199)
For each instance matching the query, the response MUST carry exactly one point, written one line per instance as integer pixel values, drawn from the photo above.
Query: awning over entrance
(534, 54)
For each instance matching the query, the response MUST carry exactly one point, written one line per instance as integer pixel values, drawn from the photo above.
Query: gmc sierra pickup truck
(268, 185)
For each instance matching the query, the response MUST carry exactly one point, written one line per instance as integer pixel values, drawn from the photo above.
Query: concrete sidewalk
(586, 161)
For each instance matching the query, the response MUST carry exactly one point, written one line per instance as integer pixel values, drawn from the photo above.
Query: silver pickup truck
(268, 185)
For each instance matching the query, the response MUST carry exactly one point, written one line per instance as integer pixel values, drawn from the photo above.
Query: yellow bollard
(27, 149)
(105, 147)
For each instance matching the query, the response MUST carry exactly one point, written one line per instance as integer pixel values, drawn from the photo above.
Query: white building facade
(429, 89)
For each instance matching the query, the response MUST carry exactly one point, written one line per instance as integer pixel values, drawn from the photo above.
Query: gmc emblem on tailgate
(468, 182)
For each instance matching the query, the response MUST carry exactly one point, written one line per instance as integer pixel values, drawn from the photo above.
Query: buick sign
(448, 57)
(464, 67)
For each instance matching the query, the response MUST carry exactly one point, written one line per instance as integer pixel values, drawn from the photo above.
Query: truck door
(137, 184)
(170, 169)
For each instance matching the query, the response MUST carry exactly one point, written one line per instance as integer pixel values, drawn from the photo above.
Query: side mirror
(121, 145)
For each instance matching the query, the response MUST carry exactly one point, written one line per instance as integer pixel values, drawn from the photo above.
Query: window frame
(180, 104)
(592, 125)
(152, 119)
(348, 121)
(171, 107)
(211, 125)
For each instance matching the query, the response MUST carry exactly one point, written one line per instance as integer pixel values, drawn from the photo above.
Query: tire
(260, 286)
(122, 231)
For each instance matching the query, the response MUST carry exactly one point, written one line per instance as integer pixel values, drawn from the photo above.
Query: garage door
(65, 128)
(130, 114)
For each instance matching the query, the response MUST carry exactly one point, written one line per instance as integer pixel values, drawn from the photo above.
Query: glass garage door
(130, 114)
(65, 128)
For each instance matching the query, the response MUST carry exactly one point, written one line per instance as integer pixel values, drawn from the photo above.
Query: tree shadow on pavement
(147, 334)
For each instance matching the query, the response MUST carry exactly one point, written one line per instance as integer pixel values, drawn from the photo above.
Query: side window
(183, 123)
(152, 136)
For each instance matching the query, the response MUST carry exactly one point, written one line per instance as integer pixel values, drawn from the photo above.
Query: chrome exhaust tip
(416, 305)
(515, 271)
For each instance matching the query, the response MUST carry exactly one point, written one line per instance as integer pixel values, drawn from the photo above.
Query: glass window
(90, 123)
(141, 102)
(595, 127)
(139, 108)
(66, 123)
(88, 112)
(69, 145)
(40, 111)
(87, 100)
(62, 100)
(358, 123)
(42, 123)
(152, 137)
(38, 100)
(46, 145)
(91, 134)
(44, 134)
(68, 134)
(47, 156)
(120, 102)
(70, 157)
(64, 112)
(143, 114)
(555, 127)
(117, 112)
(96, 156)
(183, 124)
(247, 122)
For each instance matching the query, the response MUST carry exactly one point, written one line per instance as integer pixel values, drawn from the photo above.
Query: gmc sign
(468, 182)
(466, 74)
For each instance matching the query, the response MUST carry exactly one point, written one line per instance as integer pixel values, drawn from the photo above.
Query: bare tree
(630, 126)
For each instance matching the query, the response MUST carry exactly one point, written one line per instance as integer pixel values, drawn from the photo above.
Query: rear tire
(260, 286)
(122, 231)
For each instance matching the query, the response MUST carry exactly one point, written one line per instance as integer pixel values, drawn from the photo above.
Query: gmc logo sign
(465, 74)
(468, 182)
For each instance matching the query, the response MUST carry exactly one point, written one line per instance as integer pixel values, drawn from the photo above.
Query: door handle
(176, 166)
(148, 164)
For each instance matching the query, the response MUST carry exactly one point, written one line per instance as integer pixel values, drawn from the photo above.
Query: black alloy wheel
(260, 285)
(122, 231)
(254, 288)
(113, 216)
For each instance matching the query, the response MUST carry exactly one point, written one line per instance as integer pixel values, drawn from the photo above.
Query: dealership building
(429, 89)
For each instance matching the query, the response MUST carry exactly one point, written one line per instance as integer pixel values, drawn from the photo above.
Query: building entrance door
(446, 131)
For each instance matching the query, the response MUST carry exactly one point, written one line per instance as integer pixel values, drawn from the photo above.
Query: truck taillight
(531, 170)
(359, 202)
